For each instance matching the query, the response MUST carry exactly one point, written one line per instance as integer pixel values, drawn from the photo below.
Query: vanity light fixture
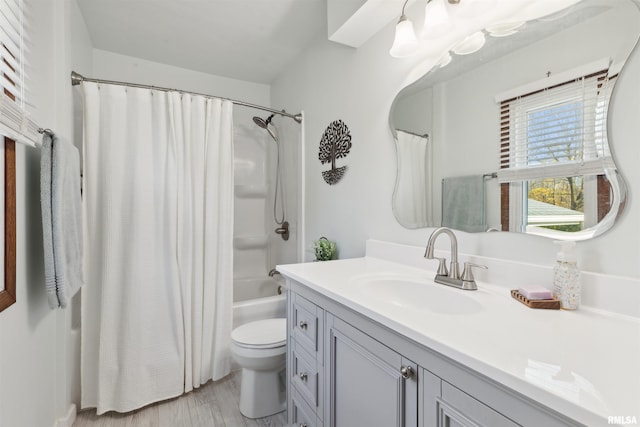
(405, 42)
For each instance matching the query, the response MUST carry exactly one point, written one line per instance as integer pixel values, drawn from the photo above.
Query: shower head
(262, 122)
(266, 124)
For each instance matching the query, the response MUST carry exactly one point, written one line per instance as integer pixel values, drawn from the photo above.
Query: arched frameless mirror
(514, 136)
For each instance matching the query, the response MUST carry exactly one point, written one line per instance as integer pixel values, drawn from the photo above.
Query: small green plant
(325, 249)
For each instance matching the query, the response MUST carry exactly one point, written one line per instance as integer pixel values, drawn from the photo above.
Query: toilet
(260, 349)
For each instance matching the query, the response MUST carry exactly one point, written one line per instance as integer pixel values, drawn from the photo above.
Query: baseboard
(68, 419)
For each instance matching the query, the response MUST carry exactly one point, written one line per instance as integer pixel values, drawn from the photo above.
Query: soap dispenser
(566, 277)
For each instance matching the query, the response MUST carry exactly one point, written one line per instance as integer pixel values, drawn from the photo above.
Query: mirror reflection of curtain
(414, 181)
(158, 208)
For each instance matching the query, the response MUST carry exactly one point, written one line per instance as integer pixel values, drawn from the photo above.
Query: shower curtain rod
(421, 135)
(77, 78)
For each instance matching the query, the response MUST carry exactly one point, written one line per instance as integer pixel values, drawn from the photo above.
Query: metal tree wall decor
(335, 144)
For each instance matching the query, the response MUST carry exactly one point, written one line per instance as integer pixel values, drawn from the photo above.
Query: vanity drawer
(306, 379)
(306, 324)
(301, 413)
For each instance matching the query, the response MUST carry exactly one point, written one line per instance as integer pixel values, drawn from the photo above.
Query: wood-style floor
(213, 405)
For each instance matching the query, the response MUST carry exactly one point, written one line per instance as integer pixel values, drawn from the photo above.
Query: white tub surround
(257, 298)
(259, 308)
(582, 364)
(256, 247)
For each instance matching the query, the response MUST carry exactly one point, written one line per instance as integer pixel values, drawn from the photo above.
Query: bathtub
(257, 299)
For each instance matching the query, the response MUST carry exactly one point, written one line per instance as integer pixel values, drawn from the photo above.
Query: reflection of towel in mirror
(61, 220)
(463, 203)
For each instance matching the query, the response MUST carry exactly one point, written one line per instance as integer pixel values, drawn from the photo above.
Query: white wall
(113, 66)
(331, 82)
(35, 377)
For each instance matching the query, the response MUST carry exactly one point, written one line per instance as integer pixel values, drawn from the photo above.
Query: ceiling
(251, 40)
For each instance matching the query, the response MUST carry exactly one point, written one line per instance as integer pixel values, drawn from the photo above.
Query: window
(14, 126)
(554, 156)
(14, 119)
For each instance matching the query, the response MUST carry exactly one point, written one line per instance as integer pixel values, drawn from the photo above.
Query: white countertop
(584, 364)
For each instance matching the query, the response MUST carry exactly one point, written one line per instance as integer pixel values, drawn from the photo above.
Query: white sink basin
(417, 294)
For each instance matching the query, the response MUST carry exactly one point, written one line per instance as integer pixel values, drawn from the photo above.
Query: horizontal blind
(14, 120)
(556, 132)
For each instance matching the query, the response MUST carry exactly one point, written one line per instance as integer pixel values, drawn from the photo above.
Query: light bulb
(436, 19)
(405, 43)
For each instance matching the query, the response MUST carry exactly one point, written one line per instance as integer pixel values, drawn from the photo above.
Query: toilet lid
(268, 333)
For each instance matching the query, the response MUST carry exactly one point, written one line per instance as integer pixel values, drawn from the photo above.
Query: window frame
(8, 294)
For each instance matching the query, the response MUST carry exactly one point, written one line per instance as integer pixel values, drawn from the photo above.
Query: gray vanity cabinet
(346, 370)
(368, 384)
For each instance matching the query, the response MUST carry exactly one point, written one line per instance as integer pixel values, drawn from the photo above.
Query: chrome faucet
(452, 276)
(442, 268)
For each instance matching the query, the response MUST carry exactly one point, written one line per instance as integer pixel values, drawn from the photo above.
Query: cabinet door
(446, 406)
(465, 410)
(368, 383)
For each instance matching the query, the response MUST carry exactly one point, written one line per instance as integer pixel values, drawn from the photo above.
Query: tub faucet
(273, 272)
(451, 277)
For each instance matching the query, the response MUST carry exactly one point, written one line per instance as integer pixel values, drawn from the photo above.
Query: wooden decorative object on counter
(552, 304)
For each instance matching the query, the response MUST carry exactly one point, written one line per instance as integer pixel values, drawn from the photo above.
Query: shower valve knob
(283, 230)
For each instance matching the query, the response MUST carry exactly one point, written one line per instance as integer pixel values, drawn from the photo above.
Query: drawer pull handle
(303, 324)
(303, 425)
(406, 372)
(303, 376)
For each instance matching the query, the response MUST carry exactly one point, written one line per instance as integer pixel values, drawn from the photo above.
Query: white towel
(61, 220)
(47, 227)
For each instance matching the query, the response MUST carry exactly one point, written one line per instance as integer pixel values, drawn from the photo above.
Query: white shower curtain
(413, 194)
(158, 209)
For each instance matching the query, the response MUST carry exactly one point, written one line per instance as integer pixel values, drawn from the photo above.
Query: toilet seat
(261, 334)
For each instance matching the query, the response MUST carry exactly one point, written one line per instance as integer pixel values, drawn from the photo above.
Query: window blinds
(556, 132)
(14, 120)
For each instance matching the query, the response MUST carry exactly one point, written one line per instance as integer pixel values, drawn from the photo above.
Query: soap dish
(552, 304)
